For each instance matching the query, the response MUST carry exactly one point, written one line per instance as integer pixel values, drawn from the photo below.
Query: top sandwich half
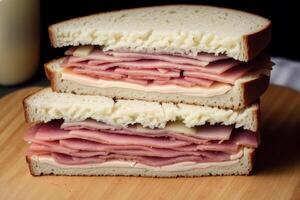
(180, 53)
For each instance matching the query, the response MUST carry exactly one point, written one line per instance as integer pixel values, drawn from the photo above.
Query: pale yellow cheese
(83, 51)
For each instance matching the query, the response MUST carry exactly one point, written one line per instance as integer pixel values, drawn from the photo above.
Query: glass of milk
(19, 40)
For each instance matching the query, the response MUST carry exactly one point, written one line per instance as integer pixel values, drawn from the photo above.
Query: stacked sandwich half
(160, 91)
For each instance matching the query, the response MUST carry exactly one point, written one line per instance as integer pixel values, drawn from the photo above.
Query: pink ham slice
(149, 78)
(207, 57)
(136, 81)
(192, 76)
(176, 81)
(51, 132)
(146, 72)
(214, 68)
(228, 147)
(94, 142)
(199, 81)
(142, 68)
(245, 138)
(80, 144)
(37, 148)
(229, 76)
(87, 65)
(150, 161)
(126, 150)
(54, 146)
(201, 59)
(105, 74)
(76, 60)
(162, 57)
(119, 139)
(206, 132)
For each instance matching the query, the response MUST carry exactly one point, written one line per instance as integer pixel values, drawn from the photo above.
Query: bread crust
(256, 42)
(25, 106)
(249, 92)
(254, 89)
(30, 165)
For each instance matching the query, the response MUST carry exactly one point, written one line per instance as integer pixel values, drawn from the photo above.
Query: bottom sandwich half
(69, 137)
(46, 165)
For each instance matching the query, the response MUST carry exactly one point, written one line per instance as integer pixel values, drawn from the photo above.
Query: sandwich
(199, 55)
(167, 91)
(96, 135)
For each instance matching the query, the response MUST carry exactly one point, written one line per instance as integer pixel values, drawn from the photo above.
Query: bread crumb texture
(46, 105)
(187, 29)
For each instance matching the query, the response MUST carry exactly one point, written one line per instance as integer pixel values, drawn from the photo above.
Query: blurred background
(284, 48)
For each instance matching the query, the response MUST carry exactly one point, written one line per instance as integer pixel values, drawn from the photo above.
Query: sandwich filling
(89, 142)
(156, 72)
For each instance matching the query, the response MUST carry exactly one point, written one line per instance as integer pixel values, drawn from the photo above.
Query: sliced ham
(214, 68)
(228, 147)
(178, 81)
(76, 60)
(125, 150)
(80, 144)
(202, 135)
(136, 81)
(199, 81)
(40, 149)
(160, 69)
(150, 161)
(149, 78)
(104, 74)
(229, 76)
(118, 139)
(146, 72)
(55, 146)
(51, 132)
(162, 57)
(88, 66)
(74, 143)
(202, 59)
(245, 138)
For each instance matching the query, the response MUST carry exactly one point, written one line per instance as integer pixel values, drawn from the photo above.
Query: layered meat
(146, 69)
(88, 142)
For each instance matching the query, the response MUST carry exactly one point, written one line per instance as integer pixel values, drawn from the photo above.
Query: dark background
(283, 14)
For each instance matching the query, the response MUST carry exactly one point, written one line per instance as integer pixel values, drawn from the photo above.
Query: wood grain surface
(276, 174)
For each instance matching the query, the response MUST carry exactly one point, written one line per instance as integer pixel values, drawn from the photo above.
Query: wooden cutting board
(276, 174)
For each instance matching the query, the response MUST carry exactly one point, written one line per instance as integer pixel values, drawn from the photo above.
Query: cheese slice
(83, 51)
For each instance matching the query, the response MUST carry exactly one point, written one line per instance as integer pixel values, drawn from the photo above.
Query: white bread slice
(185, 29)
(45, 105)
(37, 167)
(245, 91)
